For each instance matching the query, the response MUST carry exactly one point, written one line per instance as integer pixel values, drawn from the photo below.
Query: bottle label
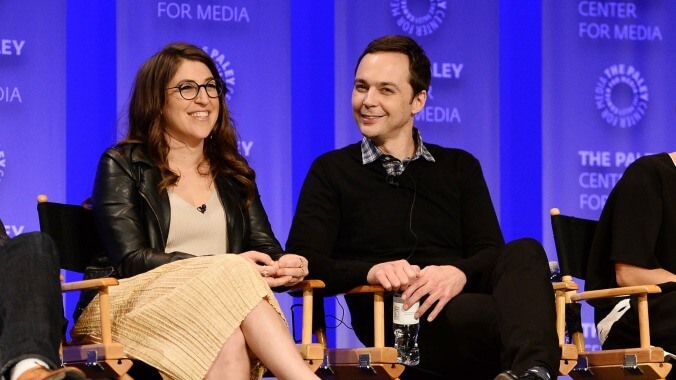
(401, 316)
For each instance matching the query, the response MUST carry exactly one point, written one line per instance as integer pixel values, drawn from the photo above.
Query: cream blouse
(195, 232)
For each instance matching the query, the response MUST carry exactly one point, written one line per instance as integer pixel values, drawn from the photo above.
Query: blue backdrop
(554, 98)
(32, 109)
(608, 98)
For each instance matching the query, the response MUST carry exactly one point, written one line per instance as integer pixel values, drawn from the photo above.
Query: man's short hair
(420, 75)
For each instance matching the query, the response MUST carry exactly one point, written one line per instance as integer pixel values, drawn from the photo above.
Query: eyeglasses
(190, 89)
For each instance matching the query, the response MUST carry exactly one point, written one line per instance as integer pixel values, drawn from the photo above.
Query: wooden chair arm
(641, 292)
(565, 285)
(102, 284)
(306, 288)
(378, 311)
(615, 292)
(561, 297)
(366, 289)
(89, 284)
(304, 285)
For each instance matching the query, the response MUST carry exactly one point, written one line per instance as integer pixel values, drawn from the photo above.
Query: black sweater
(349, 217)
(636, 226)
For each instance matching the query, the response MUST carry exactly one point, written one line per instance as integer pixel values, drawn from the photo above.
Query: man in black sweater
(418, 218)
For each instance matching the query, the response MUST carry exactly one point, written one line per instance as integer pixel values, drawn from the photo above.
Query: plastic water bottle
(406, 328)
(554, 271)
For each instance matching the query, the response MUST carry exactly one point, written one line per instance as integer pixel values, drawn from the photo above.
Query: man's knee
(32, 245)
(528, 245)
(471, 314)
(462, 337)
(35, 238)
(526, 249)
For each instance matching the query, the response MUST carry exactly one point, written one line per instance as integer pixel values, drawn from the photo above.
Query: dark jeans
(509, 323)
(31, 309)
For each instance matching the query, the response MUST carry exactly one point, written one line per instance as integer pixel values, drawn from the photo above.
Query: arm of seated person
(632, 275)
(438, 284)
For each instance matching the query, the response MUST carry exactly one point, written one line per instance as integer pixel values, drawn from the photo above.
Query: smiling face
(190, 121)
(382, 98)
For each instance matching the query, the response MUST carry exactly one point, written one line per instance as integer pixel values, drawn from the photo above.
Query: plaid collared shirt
(393, 166)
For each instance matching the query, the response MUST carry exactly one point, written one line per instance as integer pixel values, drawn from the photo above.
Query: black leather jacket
(132, 217)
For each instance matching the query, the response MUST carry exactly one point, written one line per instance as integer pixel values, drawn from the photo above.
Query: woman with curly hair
(181, 220)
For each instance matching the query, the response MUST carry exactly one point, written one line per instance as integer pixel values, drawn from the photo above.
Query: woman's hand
(289, 270)
(292, 268)
(265, 265)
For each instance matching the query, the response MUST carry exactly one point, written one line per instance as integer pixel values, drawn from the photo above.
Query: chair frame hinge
(582, 367)
(93, 361)
(325, 367)
(631, 364)
(364, 364)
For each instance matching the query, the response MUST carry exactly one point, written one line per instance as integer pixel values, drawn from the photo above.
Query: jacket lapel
(149, 178)
(233, 214)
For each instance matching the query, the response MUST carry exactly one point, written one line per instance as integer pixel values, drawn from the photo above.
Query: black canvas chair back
(573, 238)
(72, 229)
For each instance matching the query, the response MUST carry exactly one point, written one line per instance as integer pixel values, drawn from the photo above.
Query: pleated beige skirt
(178, 316)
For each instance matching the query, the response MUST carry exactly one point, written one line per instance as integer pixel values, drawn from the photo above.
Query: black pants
(31, 312)
(509, 323)
(661, 309)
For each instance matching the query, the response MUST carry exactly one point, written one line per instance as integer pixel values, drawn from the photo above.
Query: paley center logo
(621, 95)
(3, 164)
(224, 70)
(424, 20)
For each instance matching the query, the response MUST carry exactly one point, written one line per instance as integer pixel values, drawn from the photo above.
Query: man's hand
(393, 275)
(292, 268)
(440, 283)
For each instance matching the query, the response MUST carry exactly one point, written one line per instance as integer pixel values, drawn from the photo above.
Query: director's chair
(72, 229)
(573, 238)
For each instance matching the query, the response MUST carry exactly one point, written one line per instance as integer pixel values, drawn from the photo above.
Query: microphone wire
(410, 217)
(340, 319)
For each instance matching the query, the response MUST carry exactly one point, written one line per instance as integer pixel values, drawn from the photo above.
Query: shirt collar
(370, 152)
